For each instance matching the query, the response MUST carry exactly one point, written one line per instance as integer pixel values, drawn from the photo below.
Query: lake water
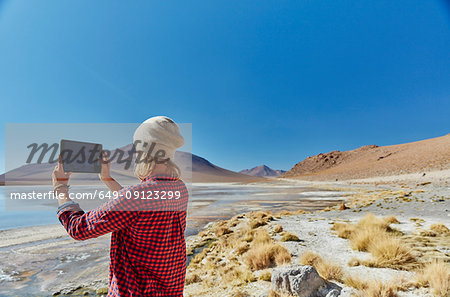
(207, 202)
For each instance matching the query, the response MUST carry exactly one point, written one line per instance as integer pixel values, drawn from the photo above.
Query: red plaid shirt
(148, 251)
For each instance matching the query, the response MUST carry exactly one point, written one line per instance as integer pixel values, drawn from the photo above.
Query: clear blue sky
(261, 81)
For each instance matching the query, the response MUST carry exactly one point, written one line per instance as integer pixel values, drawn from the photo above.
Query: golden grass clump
(261, 236)
(375, 288)
(259, 218)
(257, 223)
(192, 278)
(390, 252)
(273, 293)
(361, 239)
(439, 228)
(391, 220)
(199, 257)
(355, 282)
(287, 236)
(427, 233)
(265, 253)
(326, 269)
(435, 275)
(266, 275)
(344, 230)
(222, 230)
(290, 212)
(309, 258)
(242, 248)
(379, 289)
(374, 235)
(237, 275)
(278, 229)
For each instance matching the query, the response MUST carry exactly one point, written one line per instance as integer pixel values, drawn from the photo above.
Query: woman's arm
(105, 175)
(111, 183)
(60, 183)
(111, 216)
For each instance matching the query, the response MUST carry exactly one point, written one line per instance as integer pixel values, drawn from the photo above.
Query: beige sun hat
(159, 136)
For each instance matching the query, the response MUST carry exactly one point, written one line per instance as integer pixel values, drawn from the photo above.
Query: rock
(333, 293)
(102, 291)
(347, 292)
(302, 281)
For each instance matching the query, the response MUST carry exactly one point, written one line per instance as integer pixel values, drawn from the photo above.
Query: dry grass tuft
(375, 288)
(272, 293)
(354, 282)
(192, 278)
(287, 236)
(257, 223)
(278, 229)
(261, 236)
(380, 289)
(242, 248)
(390, 252)
(374, 235)
(361, 239)
(265, 253)
(240, 294)
(222, 230)
(344, 230)
(436, 275)
(326, 269)
(290, 213)
(439, 228)
(391, 220)
(428, 233)
(266, 276)
(309, 258)
(237, 275)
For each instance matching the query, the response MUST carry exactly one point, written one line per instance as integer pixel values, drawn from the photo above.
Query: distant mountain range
(372, 161)
(262, 171)
(193, 168)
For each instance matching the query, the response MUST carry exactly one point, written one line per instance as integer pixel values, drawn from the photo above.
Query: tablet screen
(80, 156)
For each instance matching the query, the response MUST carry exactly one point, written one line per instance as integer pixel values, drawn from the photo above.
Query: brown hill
(262, 171)
(371, 160)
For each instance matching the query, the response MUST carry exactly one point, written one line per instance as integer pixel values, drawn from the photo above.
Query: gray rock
(302, 281)
(347, 292)
(333, 293)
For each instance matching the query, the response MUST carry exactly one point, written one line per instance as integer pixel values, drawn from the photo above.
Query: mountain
(372, 160)
(263, 171)
(193, 168)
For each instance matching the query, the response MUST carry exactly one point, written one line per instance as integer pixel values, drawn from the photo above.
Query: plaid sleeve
(109, 217)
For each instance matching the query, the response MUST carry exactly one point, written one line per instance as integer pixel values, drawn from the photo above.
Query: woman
(148, 252)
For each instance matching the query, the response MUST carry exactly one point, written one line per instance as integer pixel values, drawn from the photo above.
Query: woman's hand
(105, 173)
(59, 177)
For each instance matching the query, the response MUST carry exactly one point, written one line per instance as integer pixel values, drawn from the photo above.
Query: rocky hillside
(372, 160)
(263, 171)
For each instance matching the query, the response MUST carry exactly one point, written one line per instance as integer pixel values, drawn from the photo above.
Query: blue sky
(261, 81)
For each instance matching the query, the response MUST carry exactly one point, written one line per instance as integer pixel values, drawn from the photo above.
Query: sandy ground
(46, 259)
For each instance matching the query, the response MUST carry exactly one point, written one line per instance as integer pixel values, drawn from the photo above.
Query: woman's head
(155, 142)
